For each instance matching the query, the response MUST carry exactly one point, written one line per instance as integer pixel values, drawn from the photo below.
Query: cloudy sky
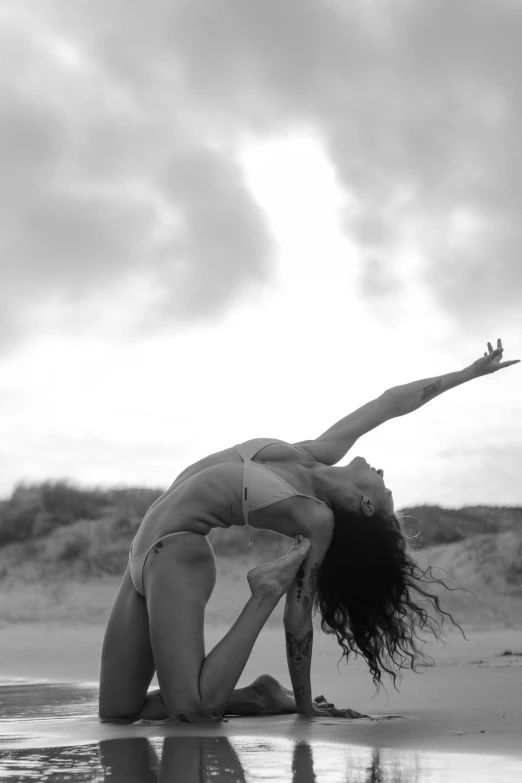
(235, 219)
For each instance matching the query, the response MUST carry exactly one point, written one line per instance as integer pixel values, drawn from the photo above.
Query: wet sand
(281, 749)
(460, 720)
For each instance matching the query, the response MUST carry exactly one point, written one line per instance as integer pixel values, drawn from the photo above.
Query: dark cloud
(225, 248)
(418, 104)
(85, 187)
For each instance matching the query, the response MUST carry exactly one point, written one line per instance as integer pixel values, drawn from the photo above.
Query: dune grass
(63, 551)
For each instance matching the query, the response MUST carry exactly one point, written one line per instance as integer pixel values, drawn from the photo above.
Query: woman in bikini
(350, 559)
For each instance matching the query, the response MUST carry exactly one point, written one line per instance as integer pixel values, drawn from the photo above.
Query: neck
(332, 485)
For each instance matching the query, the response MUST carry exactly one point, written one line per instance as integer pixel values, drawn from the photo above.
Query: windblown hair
(367, 591)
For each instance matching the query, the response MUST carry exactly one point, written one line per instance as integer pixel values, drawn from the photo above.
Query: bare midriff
(208, 495)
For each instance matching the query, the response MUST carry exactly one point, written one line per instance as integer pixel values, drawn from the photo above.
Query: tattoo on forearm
(431, 391)
(299, 582)
(299, 649)
(312, 581)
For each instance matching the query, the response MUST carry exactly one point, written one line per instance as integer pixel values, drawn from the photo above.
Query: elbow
(294, 621)
(394, 403)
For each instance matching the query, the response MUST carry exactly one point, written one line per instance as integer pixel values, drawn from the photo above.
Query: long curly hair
(368, 586)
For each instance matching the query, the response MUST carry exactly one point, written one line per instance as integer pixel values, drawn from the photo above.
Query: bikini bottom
(137, 564)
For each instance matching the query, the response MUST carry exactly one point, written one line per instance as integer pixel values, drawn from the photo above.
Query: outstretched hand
(491, 361)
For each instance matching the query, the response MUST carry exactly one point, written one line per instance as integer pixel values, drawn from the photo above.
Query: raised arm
(332, 445)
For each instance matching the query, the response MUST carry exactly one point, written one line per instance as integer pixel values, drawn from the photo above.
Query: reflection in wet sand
(198, 760)
(183, 759)
(246, 760)
(38, 746)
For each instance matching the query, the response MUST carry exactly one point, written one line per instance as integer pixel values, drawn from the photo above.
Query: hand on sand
(275, 578)
(490, 362)
(323, 708)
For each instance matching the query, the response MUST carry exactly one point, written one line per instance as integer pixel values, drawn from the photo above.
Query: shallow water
(50, 732)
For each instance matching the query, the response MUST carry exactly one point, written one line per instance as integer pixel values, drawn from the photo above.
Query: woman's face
(369, 482)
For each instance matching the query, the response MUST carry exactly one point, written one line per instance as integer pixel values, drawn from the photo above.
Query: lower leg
(220, 670)
(265, 696)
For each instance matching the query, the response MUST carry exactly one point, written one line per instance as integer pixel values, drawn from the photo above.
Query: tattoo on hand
(431, 391)
(299, 649)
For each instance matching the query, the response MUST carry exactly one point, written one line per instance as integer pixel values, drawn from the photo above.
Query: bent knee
(114, 713)
(194, 713)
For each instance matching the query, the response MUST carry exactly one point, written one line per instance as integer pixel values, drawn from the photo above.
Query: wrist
(468, 373)
(304, 706)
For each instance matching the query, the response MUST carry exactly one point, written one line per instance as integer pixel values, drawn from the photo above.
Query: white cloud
(228, 221)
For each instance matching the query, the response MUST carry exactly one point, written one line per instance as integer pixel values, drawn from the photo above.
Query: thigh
(178, 580)
(127, 665)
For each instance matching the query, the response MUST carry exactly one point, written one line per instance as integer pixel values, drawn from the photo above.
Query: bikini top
(262, 487)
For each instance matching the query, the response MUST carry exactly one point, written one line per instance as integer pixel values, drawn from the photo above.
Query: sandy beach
(460, 719)
(469, 701)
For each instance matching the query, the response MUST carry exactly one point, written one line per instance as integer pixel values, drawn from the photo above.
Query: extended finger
(499, 343)
(507, 364)
(490, 348)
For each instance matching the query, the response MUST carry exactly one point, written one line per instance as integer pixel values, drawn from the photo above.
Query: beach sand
(458, 720)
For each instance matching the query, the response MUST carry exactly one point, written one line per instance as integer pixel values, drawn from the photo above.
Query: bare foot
(275, 578)
(275, 699)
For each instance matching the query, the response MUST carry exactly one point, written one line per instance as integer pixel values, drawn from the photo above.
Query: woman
(350, 559)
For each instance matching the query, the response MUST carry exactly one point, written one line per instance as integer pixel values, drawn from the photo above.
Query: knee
(112, 710)
(196, 711)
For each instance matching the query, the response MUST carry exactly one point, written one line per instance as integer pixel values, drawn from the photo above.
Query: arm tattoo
(312, 581)
(431, 391)
(299, 649)
(299, 582)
